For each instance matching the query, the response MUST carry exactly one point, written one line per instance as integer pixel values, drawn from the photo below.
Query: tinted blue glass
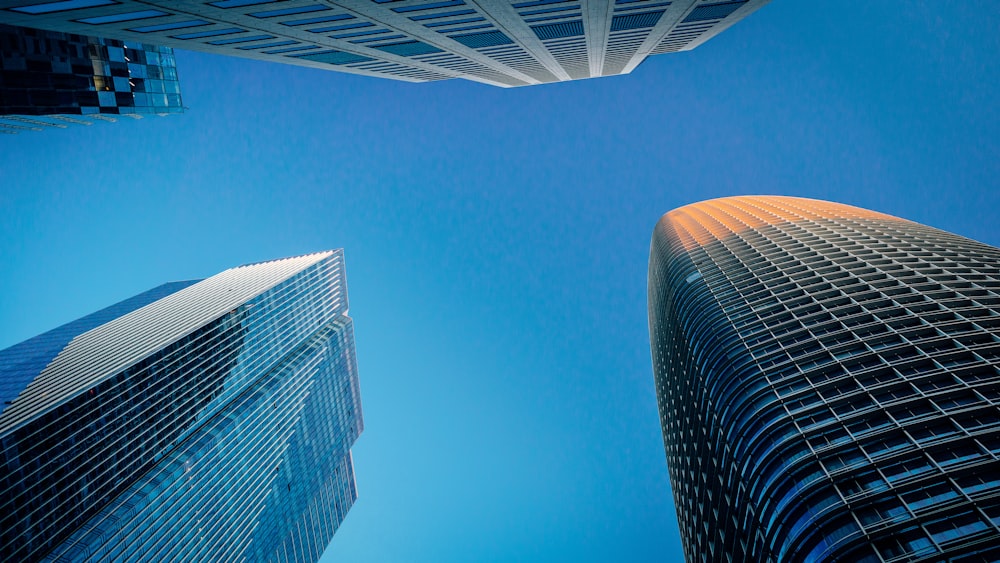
(22, 362)
(61, 75)
(231, 442)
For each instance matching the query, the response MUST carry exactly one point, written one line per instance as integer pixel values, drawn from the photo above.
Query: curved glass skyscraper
(828, 385)
(198, 421)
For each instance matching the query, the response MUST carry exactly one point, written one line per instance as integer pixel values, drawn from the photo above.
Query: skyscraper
(827, 380)
(198, 421)
(52, 79)
(503, 43)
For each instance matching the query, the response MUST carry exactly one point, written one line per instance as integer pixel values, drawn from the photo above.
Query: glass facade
(499, 43)
(827, 380)
(20, 363)
(230, 442)
(53, 79)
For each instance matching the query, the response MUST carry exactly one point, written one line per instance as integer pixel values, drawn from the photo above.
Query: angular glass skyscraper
(828, 385)
(499, 42)
(198, 421)
(52, 79)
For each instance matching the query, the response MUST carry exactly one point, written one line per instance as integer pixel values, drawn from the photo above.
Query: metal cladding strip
(101, 352)
(597, 18)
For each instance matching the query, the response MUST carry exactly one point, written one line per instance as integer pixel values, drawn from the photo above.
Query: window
(976, 483)
(955, 527)
(62, 6)
(290, 11)
(211, 33)
(923, 498)
(865, 482)
(129, 16)
(169, 26)
(955, 454)
(899, 471)
(889, 509)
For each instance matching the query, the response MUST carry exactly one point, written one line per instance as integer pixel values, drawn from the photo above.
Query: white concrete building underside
(498, 42)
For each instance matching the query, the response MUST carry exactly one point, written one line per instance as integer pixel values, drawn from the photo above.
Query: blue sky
(497, 241)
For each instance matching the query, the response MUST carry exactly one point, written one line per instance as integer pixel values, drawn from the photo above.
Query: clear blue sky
(497, 241)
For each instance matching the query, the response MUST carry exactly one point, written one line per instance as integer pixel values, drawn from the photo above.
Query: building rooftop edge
(709, 220)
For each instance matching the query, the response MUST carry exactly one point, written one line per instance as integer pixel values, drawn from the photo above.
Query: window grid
(861, 394)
